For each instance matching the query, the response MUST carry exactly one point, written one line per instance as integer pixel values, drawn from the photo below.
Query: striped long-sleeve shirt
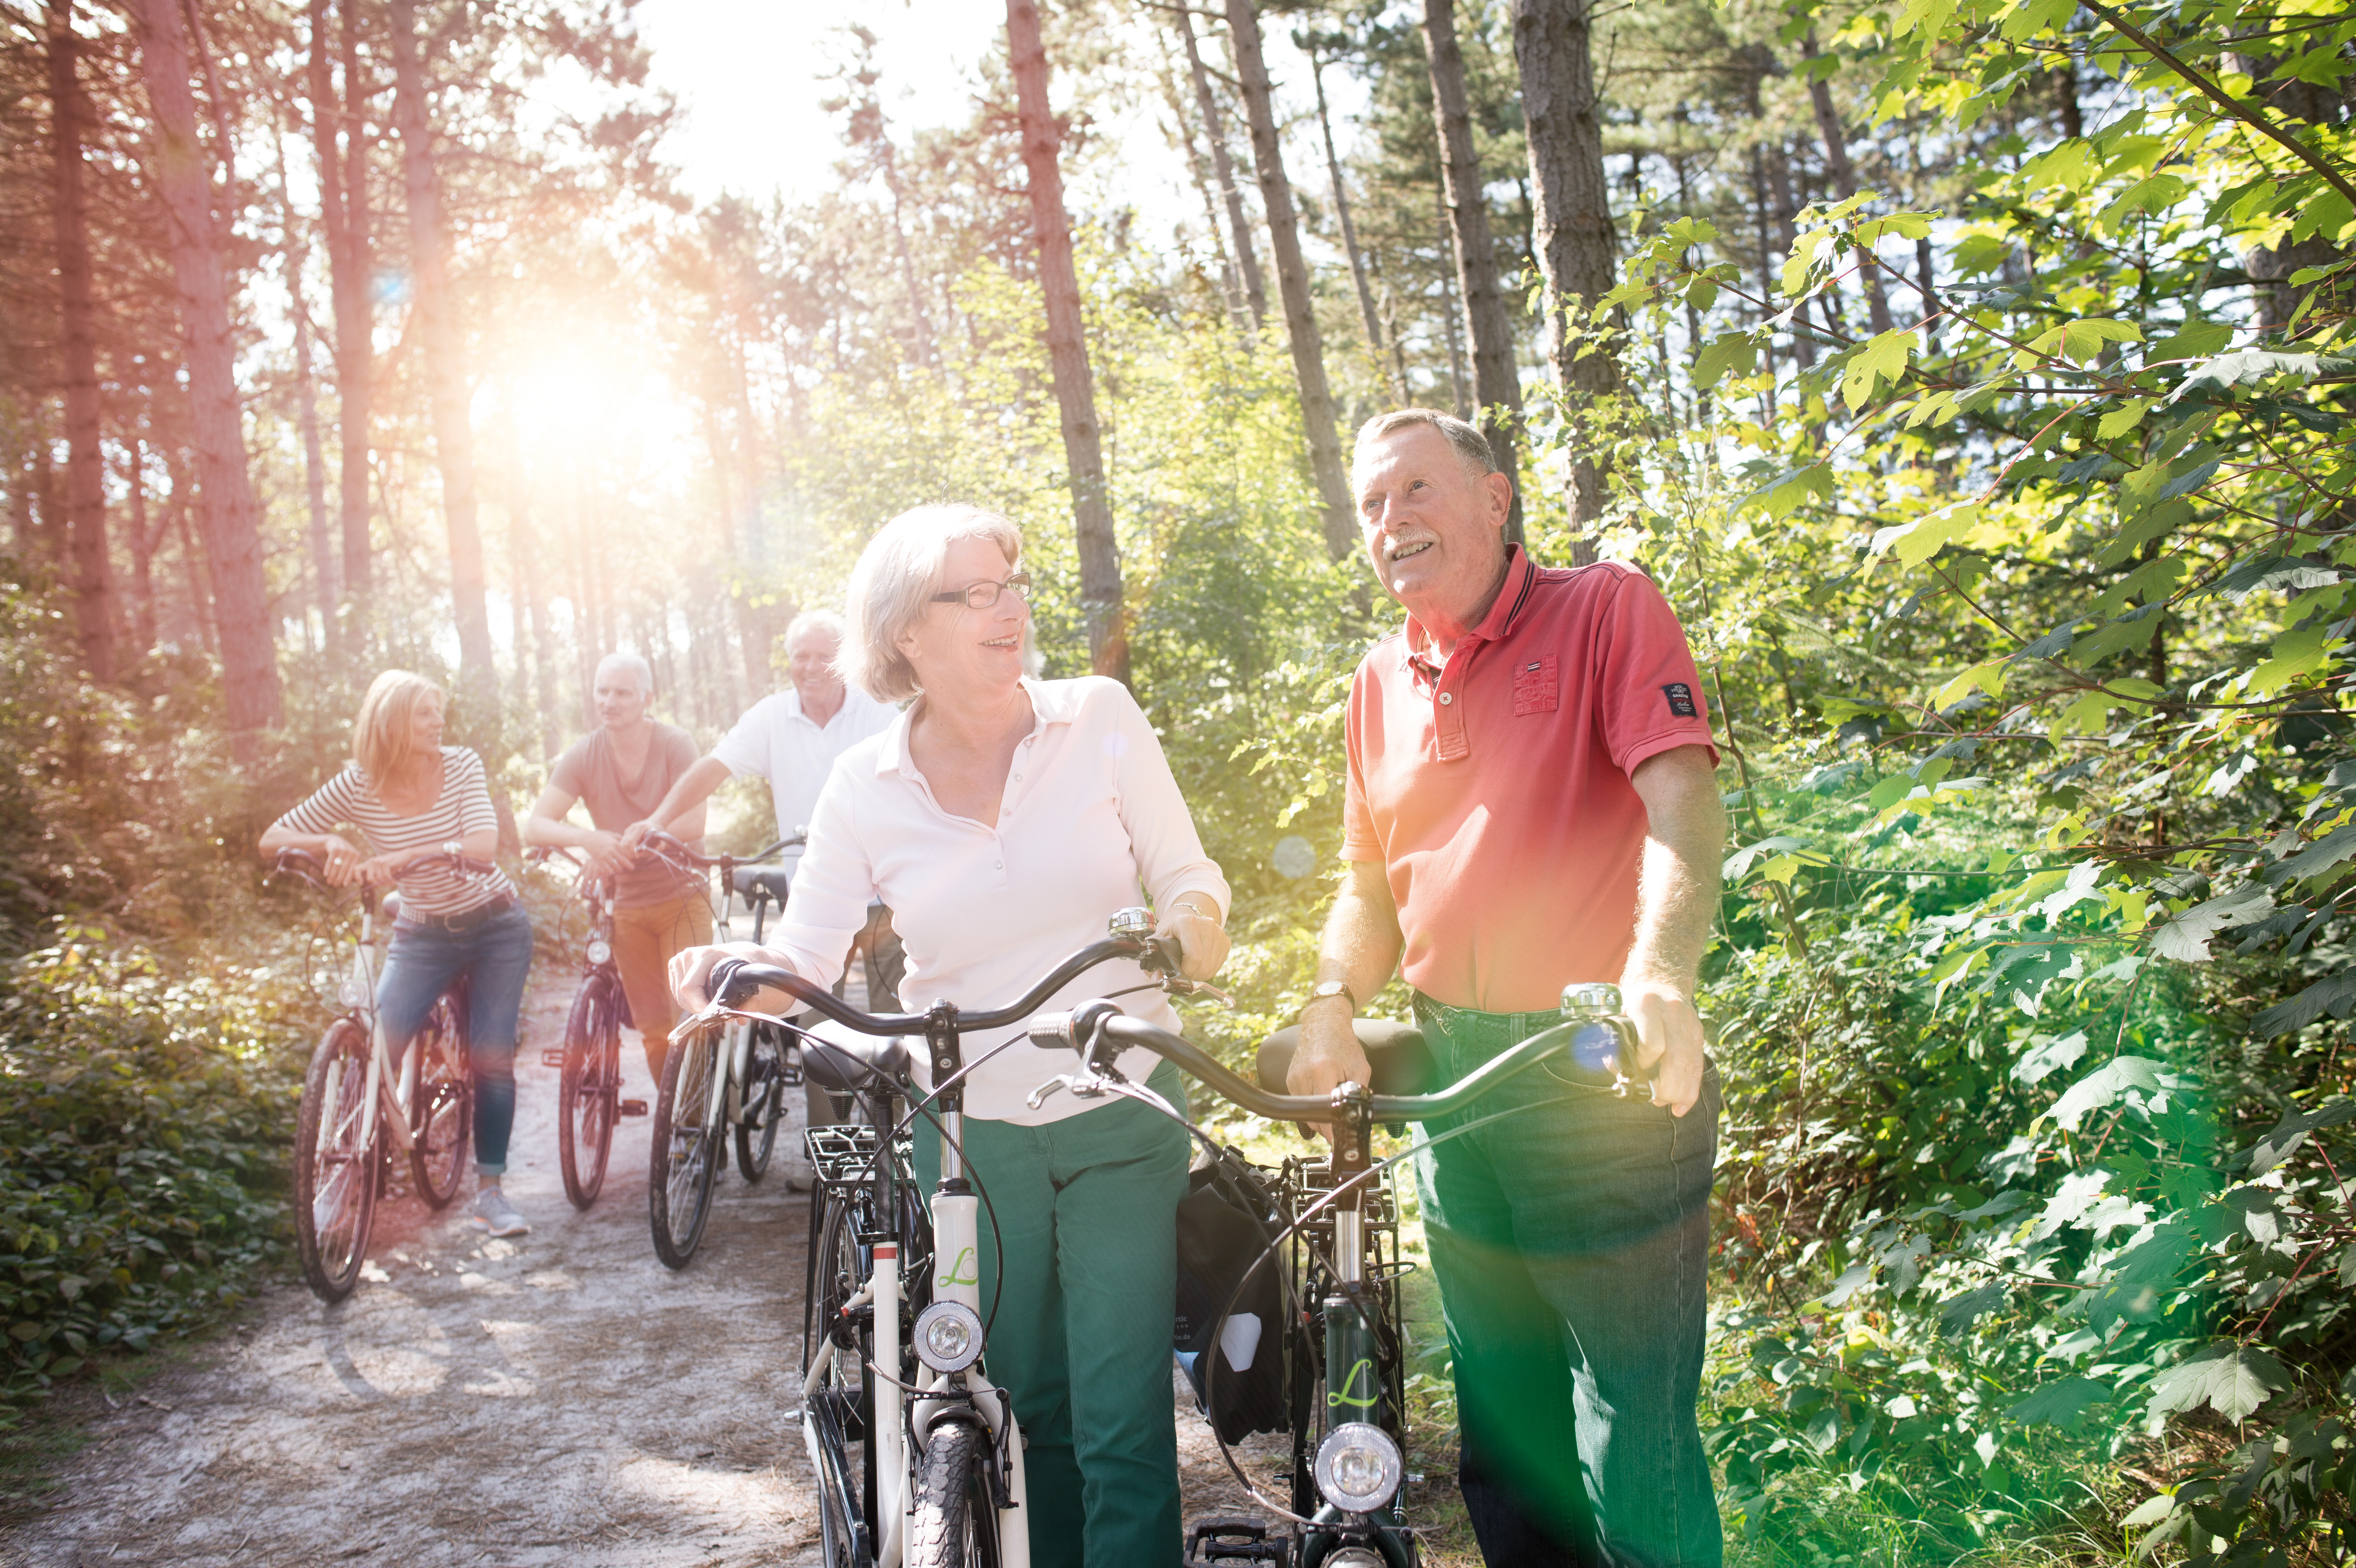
(464, 806)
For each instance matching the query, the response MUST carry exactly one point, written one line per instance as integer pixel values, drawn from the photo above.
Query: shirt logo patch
(1534, 686)
(1681, 699)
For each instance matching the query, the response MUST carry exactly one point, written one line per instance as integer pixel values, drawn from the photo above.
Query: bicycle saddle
(844, 1061)
(1401, 1062)
(766, 882)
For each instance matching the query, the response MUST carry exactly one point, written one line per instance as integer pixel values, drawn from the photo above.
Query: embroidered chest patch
(1534, 686)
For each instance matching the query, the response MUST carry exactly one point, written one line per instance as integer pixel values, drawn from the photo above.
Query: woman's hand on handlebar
(690, 969)
(1202, 945)
(339, 861)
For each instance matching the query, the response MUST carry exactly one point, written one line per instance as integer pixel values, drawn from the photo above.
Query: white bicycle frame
(387, 1092)
(957, 1252)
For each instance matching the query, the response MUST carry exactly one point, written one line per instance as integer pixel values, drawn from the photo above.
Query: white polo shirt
(779, 742)
(1092, 822)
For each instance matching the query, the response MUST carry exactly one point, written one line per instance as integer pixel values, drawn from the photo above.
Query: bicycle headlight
(949, 1337)
(600, 951)
(1359, 1467)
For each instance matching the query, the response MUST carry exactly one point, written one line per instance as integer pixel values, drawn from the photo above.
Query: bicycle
(589, 1084)
(918, 1455)
(717, 1085)
(1338, 1214)
(358, 1113)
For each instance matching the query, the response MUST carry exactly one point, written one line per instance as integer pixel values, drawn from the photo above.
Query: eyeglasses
(983, 595)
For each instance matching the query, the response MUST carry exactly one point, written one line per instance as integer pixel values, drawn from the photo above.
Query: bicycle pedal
(1211, 1542)
(632, 1107)
(552, 1056)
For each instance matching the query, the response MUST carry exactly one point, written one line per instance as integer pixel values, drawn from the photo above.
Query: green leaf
(2061, 1403)
(2124, 418)
(1882, 358)
(2194, 340)
(1781, 495)
(2153, 193)
(1734, 352)
(1926, 536)
(1959, 1313)
(2283, 1140)
(2115, 1079)
(1986, 675)
(2230, 1380)
(2083, 340)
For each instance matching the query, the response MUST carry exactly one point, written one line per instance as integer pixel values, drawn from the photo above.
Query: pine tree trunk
(231, 516)
(1068, 350)
(1214, 131)
(193, 561)
(1843, 175)
(96, 612)
(1570, 211)
(1496, 385)
(340, 143)
(1350, 231)
(142, 554)
(445, 374)
(1317, 417)
(325, 588)
(1231, 282)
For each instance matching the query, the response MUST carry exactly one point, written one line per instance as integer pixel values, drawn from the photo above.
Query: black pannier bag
(1227, 1221)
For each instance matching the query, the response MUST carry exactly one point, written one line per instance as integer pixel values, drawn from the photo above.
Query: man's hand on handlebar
(1668, 1039)
(1329, 1054)
(608, 854)
(636, 834)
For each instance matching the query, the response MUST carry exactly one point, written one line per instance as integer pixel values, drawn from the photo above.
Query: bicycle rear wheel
(590, 1089)
(954, 1525)
(687, 1151)
(442, 1115)
(762, 1094)
(335, 1172)
(838, 1411)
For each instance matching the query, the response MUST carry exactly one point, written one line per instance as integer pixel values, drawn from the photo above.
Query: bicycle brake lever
(1178, 987)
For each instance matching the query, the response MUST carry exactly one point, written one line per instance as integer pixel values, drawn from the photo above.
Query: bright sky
(744, 73)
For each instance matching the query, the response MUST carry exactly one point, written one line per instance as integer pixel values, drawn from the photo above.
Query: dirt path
(561, 1398)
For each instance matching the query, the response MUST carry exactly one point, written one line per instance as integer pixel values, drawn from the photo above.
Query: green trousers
(1087, 1209)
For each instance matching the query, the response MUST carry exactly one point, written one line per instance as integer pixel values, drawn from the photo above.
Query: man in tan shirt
(621, 771)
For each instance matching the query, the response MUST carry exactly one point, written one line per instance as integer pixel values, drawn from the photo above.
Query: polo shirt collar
(1056, 702)
(1521, 576)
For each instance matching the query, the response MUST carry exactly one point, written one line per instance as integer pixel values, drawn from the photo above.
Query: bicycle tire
(844, 1417)
(687, 1154)
(953, 1524)
(335, 1178)
(589, 1090)
(765, 1065)
(442, 1113)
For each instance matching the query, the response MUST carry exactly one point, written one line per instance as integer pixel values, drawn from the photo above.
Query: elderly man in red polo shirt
(1531, 804)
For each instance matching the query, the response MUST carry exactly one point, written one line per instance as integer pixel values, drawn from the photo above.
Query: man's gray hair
(824, 620)
(1470, 446)
(897, 574)
(635, 663)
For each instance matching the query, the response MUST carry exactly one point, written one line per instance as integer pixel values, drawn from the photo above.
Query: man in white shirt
(791, 737)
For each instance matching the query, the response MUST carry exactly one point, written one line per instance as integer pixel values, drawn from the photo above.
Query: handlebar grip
(1161, 956)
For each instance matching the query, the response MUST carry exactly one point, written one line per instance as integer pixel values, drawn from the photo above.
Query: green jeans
(1088, 1208)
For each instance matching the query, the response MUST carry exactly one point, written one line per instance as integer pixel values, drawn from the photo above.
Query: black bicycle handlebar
(733, 979)
(671, 849)
(302, 863)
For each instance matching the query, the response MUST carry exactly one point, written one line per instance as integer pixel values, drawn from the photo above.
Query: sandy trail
(560, 1398)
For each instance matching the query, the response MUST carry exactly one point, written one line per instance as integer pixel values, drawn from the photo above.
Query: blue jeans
(495, 956)
(1570, 1242)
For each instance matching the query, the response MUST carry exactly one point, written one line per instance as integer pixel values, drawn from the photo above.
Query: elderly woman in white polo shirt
(1003, 819)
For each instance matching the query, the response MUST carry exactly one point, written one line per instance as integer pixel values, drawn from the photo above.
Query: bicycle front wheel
(954, 1525)
(763, 1093)
(590, 1089)
(334, 1171)
(441, 1116)
(687, 1150)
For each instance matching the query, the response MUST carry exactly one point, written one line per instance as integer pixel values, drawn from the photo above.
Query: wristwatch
(1324, 988)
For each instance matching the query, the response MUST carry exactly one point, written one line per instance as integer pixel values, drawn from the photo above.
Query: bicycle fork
(1359, 1465)
(957, 1252)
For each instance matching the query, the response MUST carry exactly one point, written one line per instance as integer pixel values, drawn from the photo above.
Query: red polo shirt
(1495, 789)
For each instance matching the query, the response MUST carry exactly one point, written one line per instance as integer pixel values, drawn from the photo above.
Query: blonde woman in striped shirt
(415, 799)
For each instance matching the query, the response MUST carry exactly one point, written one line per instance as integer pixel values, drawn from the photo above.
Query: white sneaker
(495, 1215)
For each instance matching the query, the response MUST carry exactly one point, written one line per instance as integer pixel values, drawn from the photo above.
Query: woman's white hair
(897, 574)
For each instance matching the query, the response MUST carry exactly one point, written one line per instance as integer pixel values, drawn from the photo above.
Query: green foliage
(143, 1168)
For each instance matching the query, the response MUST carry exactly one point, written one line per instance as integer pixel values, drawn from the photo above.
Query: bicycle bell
(1136, 925)
(1592, 999)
